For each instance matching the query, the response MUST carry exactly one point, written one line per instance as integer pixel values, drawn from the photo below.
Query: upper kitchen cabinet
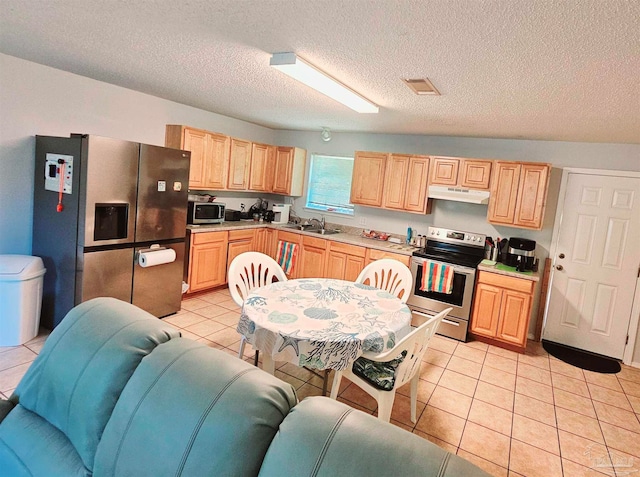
(405, 183)
(518, 194)
(367, 181)
(209, 155)
(390, 181)
(262, 167)
(467, 173)
(288, 176)
(239, 163)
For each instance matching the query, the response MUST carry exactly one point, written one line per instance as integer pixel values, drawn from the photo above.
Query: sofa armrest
(321, 436)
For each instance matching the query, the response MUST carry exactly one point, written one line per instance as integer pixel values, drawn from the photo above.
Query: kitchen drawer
(242, 234)
(375, 254)
(314, 242)
(208, 237)
(354, 250)
(288, 237)
(518, 284)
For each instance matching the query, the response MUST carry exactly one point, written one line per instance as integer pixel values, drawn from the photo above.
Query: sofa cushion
(192, 410)
(31, 447)
(76, 379)
(322, 437)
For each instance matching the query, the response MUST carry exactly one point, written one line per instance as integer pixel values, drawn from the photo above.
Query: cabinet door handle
(559, 267)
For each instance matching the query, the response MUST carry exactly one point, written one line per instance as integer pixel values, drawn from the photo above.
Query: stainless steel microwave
(201, 213)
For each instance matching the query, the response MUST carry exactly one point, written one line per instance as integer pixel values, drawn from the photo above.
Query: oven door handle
(444, 320)
(456, 268)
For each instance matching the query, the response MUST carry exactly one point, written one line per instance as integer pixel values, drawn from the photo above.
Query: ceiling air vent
(421, 86)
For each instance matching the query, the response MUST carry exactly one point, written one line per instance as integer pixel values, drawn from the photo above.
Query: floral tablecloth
(322, 323)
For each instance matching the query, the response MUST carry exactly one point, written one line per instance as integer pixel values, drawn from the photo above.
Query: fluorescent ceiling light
(308, 74)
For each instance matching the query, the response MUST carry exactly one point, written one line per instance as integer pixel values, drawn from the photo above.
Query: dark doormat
(582, 359)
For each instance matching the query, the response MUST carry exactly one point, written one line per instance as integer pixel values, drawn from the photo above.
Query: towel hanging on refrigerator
(286, 255)
(437, 277)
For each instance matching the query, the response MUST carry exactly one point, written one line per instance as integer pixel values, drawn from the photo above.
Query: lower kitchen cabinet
(207, 260)
(344, 261)
(291, 238)
(265, 241)
(312, 258)
(375, 254)
(240, 241)
(501, 310)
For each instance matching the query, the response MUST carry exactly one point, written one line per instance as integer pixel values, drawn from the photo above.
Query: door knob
(561, 255)
(559, 267)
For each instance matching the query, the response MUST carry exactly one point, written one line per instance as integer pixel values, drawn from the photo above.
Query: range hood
(459, 194)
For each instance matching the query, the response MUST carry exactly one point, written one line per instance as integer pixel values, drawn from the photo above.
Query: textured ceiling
(566, 70)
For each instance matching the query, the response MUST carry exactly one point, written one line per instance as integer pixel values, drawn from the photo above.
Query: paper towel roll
(150, 258)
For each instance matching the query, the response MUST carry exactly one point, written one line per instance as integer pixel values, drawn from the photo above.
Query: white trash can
(21, 278)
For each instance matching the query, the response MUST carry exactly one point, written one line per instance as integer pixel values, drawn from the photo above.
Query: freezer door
(108, 191)
(105, 273)
(158, 289)
(162, 193)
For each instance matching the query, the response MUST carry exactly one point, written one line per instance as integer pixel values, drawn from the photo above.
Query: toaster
(231, 215)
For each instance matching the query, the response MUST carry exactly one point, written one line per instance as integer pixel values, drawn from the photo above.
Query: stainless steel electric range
(463, 251)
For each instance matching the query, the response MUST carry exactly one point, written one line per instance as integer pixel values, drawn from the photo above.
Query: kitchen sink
(324, 231)
(297, 226)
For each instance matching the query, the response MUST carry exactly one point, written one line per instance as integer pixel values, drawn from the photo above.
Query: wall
(461, 216)
(35, 99)
(467, 217)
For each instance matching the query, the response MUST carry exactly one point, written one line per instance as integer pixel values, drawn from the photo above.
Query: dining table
(321, 323)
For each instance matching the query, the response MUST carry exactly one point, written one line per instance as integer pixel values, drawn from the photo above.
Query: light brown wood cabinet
(467, 173)
(312, 258)
(502, 310)
(367, 183)
(391, 181)
(209, 155)
(262, 167)
(239, 162)
(344, 261)
(207, 260)
(265, 241)
(375, 254)
(518, 194)
(405, 183)
(292, 238)
(289, 169)
(239, 241)
(219, 162)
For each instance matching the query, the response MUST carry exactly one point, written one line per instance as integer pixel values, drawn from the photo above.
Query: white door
(596, 264)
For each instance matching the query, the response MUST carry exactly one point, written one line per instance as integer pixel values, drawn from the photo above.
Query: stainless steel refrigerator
(99, 203)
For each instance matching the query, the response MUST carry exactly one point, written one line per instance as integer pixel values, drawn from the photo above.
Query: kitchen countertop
(502, 269)
(343, 237)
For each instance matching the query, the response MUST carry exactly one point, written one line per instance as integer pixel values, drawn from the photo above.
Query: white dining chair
(380, 375)
(247, 271)
(389, 275)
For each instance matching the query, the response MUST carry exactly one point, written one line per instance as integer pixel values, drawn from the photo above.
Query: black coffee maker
(521, 253)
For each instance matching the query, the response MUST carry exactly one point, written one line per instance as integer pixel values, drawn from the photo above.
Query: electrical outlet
(362, 221)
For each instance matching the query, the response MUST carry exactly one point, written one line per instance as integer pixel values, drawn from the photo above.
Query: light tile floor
(511, 414)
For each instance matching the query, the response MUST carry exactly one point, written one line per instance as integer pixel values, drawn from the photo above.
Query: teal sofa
(117, 392)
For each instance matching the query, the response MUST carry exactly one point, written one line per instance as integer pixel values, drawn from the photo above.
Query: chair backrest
(389, 275)
(415, 344)
(251, 270)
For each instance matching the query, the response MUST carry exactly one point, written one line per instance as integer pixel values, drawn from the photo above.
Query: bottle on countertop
(409, 232)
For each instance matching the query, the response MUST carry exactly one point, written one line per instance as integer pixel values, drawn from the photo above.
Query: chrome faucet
(321, 222)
